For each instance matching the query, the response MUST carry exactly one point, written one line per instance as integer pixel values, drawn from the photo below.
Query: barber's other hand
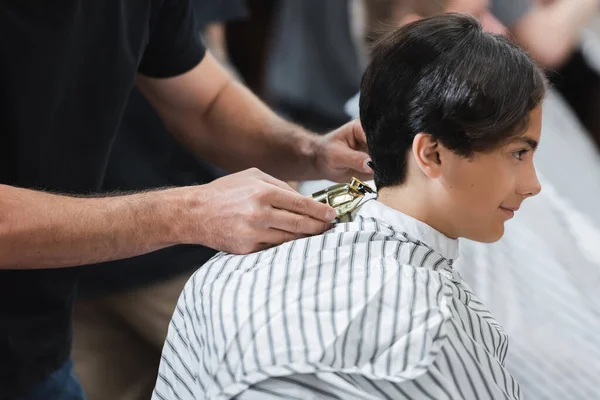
(250, 211)
(342, 154)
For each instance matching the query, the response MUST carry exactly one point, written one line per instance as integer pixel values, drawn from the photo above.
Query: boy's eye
(519, 154)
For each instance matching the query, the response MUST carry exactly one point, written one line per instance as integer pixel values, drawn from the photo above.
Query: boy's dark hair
(471, 90)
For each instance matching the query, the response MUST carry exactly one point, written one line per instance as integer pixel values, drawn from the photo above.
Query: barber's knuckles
(255, 211)
(298, 217)
(266, 196)
(302, 224)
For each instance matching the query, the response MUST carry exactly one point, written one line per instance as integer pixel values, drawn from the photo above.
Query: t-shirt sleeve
(509, 12)
(174, 46)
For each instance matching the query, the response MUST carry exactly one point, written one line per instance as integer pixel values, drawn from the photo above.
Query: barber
(67, 71)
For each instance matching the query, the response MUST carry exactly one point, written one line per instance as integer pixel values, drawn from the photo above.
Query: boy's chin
(491, 236)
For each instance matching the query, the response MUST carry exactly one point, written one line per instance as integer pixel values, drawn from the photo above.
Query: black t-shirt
(146, 156)
(66, 70)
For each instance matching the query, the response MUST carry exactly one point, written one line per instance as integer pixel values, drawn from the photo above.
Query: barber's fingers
(359, 135)
(301, 205)
(353, 160)
(290, 200)
(297, 224)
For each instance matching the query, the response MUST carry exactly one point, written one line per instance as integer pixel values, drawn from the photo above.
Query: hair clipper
(344, 197)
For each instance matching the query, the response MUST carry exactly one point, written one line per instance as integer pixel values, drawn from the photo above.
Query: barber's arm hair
(45, 230)
(221, 121)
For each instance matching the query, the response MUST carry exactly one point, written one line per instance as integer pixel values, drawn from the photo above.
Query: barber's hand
(250, 211)
(342, 154)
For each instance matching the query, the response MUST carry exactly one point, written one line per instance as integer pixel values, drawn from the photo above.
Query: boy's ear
(426, 153)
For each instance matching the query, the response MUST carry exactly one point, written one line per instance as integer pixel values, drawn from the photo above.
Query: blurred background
(305, 59)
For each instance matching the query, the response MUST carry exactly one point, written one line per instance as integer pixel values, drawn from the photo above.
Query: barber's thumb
(361, 162)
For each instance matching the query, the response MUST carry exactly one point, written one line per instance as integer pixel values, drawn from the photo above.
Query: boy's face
(482, 192)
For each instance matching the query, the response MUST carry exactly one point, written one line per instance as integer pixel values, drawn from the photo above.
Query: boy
(373, 309)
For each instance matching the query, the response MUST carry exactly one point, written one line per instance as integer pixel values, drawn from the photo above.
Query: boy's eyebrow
(531, 142)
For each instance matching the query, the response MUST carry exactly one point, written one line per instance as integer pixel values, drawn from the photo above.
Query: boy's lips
(509, 211)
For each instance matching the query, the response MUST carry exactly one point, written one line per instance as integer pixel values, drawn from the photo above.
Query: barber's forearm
(551, 31)
(238, 131)
(42, 230)
(224, 123)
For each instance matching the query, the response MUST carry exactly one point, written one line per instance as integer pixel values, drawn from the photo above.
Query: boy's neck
(417, 203)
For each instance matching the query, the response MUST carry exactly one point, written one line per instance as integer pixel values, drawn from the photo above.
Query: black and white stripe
(370, 310)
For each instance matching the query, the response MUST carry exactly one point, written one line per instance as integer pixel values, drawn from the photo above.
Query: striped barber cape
(372, 309)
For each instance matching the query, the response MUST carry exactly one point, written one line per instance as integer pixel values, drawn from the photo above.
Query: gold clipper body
(344, 197)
